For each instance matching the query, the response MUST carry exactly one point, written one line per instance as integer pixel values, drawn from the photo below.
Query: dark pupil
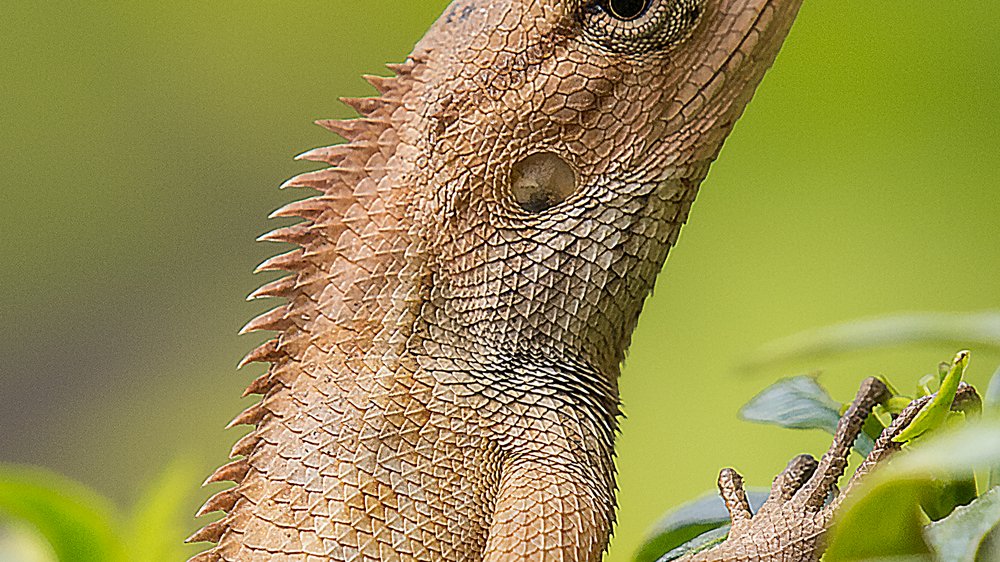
(627, 9)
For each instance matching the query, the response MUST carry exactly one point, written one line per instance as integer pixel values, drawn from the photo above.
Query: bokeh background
(141, 144)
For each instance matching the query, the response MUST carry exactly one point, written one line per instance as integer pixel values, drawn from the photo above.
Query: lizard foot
(790, 526)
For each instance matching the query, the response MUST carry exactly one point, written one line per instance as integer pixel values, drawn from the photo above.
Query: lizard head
(544, 154)
(562, 143)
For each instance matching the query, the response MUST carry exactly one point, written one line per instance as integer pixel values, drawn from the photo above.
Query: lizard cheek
(541, 181)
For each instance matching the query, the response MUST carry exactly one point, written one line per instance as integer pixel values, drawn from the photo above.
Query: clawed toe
(795, 475)
(735, 497)
(831, 467)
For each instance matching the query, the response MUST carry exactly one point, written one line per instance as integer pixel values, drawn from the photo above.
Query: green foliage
(889, 517)
(81, 526)
(886, 517)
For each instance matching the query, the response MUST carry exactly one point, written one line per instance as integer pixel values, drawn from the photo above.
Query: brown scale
(443, 383)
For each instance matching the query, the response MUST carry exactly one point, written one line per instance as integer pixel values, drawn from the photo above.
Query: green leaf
(991, 402)
(888, 522)
(958, 537)
(703, 541)
(991, 410)
(883, 517)
(156, 531)
(77, 523)
(799, 403)
(690, 521)
(989, 549)
(935, 413)
(981, 330)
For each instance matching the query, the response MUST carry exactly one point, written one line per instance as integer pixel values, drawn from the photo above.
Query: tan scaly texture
(443, 383)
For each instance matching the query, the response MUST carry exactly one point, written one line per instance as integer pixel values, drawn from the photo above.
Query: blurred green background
(141, 144)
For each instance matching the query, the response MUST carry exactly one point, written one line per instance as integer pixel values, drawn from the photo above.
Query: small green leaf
(77, 523)
(796, 403)
(935, 413)
(958, 537)
(690, 521)
(799, 403)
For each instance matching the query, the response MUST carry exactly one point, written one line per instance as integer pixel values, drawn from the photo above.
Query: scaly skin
(443, 385)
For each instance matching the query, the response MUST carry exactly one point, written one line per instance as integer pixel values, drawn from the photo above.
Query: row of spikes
(362, 134)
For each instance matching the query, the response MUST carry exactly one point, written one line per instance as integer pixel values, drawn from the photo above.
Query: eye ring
(626, 10)
(636, 27)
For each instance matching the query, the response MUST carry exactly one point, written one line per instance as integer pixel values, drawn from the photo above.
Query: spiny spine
(347, 167)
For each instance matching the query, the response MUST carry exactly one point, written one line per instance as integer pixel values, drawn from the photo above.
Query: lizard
(468, 272)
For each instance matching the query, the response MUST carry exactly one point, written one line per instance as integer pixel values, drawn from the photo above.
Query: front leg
(548, 511)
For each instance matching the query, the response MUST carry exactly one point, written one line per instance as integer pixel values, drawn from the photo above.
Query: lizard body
(443, 384)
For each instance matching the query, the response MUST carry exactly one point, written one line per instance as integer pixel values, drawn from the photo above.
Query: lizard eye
(626, 10)
(639, 26)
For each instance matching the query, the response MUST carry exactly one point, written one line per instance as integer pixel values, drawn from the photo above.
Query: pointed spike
(398, 69)
(308, 209)
(208, 556)
(350, 129)
(317, 179)
(274, 320)
(209, 533)
(260, 385)
(295, 234)
(279, 288)
(381, 83)
(266, 352)
(245, 446)
(364, 106)
(328, 154)
(235, 471)
(250, 416)
(222, 501)
(289, 261)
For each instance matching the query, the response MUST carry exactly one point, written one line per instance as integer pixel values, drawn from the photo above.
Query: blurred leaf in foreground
(799, 403)
(980, 330)
(991, 411)
(690, 521)
(77, 523)
(20, 542)
(883, 518)
(156, 532)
